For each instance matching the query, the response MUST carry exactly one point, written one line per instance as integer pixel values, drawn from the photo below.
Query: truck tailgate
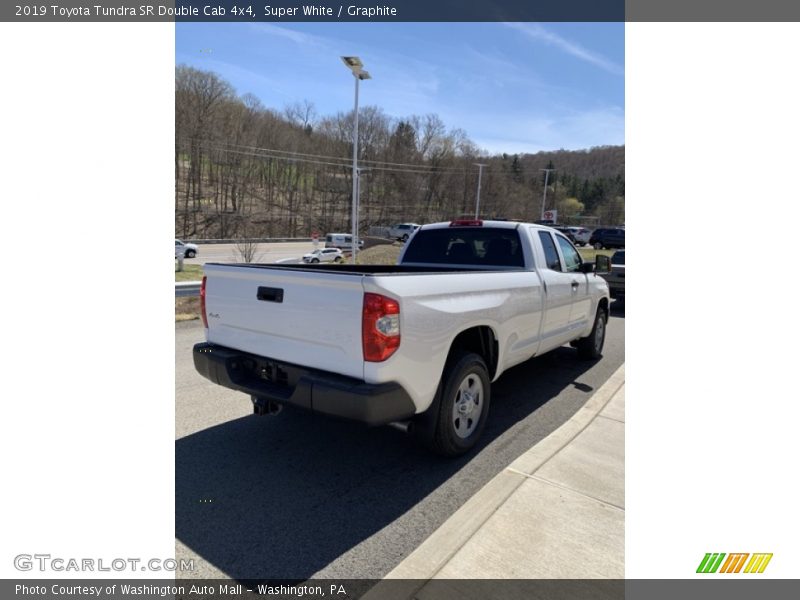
(308, 318)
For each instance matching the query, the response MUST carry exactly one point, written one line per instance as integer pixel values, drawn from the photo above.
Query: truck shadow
(264, 498)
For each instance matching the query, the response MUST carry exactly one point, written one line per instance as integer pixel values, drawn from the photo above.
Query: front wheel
(463, 405)
(190, 254)
(598, 246)
(591, 347)
(315, 260)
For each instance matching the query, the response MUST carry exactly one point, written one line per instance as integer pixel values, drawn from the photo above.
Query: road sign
(550, 215)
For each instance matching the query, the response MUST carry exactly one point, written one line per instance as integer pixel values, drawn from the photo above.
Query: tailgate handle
(268, 294)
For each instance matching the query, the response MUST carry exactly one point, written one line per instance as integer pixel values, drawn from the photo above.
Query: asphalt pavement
(296, 495)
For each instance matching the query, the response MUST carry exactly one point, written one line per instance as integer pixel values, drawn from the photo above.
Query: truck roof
(482, 223)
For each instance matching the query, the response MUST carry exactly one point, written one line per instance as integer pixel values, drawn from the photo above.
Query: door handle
(268, 294)
(575, 285)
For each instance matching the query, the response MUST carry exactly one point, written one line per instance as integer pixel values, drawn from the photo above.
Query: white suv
(402, 231)
(323, 255)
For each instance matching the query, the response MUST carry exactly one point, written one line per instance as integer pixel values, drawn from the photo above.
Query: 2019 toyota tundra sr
(416, 344)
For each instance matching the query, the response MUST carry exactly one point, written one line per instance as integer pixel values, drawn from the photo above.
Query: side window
(571, 256)
(550, 253)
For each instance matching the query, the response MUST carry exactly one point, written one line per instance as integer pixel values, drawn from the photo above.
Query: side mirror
(587, 267)
(602, 264)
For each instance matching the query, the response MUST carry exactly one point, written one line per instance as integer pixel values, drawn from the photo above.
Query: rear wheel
(591, 347)
(465, 393)
(405, 237)
(191, 254)
(338, 259)
(598, 246)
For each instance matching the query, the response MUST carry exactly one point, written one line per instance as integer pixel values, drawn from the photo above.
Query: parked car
(324, 255)
(417, 344)
(567, 231)
(402, 231)
(616, 278)
(608, 238)
(581, 235)
(185, 250)
(343, 241)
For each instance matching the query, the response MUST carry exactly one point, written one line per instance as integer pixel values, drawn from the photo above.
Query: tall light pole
(544, 195)
(360, 171)
(478, 197)
(357, 67)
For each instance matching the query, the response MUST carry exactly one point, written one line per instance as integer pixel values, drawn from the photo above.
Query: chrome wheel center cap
(467, 404)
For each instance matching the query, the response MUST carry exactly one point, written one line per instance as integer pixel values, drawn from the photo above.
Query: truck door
(579, 282)
(558, 294)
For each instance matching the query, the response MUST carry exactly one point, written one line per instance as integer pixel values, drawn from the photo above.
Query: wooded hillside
(245, 170)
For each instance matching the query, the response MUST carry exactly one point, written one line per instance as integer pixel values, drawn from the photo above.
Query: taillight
(380, 327)
(203, 302)
(466, 223)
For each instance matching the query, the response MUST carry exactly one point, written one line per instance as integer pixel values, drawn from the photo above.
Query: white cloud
(539, 33)
(297, 37)
(576, 130)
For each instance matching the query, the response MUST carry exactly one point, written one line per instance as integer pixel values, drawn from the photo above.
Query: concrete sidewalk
(558, 511)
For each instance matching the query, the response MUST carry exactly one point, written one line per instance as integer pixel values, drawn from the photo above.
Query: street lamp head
(356, 66)
(353, 62)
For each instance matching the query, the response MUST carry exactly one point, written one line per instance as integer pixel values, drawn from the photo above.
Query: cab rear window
(478, 246)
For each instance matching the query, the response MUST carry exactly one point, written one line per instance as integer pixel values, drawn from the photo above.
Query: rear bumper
(318, 391)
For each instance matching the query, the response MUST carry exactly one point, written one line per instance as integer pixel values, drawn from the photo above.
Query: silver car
(184, 249)
(402, 231)
(581, 235)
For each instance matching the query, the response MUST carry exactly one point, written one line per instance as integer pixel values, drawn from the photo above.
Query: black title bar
(399, 10)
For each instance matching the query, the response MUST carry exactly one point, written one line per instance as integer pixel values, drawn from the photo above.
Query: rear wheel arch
(480, 340)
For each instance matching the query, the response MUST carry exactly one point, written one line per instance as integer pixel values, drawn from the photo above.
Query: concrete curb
(436, 551)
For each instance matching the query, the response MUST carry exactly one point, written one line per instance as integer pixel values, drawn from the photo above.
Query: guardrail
(185, 289)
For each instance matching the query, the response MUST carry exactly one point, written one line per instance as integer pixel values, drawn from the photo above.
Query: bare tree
(245, 171)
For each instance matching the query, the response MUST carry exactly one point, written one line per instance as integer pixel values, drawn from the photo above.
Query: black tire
(338, 259)
(191, 254)
(591, 347)
(404, 238)
(451, 438)
(598, 246)
(314, 260)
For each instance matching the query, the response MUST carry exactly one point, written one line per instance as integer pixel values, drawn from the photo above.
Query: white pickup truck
(415, 344)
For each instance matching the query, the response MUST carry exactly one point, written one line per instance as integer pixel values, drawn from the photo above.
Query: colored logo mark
(713, 563)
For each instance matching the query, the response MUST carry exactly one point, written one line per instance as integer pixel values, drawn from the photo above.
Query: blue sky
(513, 87)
